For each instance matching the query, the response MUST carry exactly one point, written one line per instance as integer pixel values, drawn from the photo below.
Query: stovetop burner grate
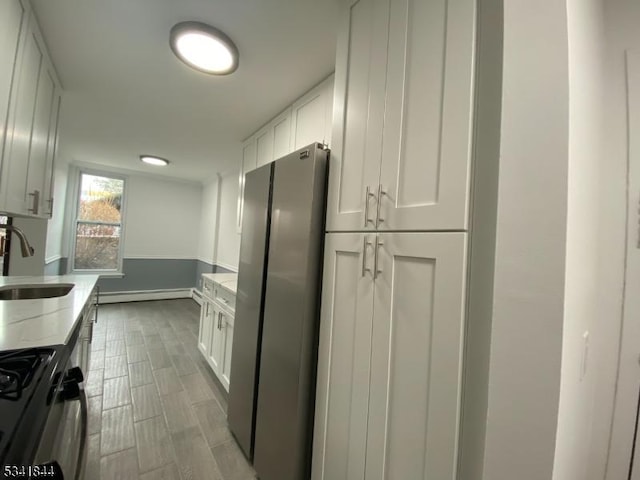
(17, 369)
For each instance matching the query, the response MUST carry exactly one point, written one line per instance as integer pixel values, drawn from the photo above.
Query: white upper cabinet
(403, 116)
(249, 160)
(31, 131)
(12, 17)
(311, 116)
(281, 126)
(264, 146)
(308, 120)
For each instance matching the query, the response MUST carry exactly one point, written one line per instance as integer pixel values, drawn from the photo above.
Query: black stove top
(17, 370)
(28, 380)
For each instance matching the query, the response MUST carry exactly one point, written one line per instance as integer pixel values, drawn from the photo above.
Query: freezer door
(249, 301)
(291, 314)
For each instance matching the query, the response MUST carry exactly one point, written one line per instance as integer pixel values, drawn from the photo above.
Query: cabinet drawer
(207, 287)
(224, 297)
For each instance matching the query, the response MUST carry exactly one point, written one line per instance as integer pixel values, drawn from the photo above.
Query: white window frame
(73, 224)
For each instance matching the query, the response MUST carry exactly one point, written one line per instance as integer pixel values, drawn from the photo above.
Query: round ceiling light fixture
(153, 160)
(204, 48)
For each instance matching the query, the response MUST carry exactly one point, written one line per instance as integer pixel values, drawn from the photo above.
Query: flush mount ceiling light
(204, 48)
(151, 160)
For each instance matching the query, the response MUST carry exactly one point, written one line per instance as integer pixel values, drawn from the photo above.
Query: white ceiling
(127, 94)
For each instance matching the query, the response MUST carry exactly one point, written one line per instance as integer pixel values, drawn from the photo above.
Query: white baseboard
(144, 295)
(197, 296)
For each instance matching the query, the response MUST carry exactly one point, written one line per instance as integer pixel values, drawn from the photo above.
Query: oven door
(65, 435)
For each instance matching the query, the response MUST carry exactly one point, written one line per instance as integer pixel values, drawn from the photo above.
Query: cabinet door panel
(37, 166)
(309, 115)
(225, 373)
(248, 164)
(282, 135)
(417, 343)
(217, 338)
(264, 146)
(343, 359)
(16, 159)
(11, 20)
(427, 138)
(52, 149)
(358, 113)
(204, 333)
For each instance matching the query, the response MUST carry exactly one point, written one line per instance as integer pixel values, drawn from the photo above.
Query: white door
(343, 358)
(417, 345)
(204, 334)
(282, 134)
(428, 119)
(20, 127)
(11, 19)
(264, 146)
(217, 341)
(51, 154)
(358, 114)
(225, 373)
(38, 154)
(248, 164)
(309, 115)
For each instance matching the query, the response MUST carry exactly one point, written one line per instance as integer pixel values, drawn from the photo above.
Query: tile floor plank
(146, 402)
(167, 380)
(117, 430)
(116, 393)
(140, 374)
(153, 443)
(119, 466)
(178, 412)
(231, 462)
(194, 458)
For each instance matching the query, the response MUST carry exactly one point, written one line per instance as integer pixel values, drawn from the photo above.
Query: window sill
(101, 274)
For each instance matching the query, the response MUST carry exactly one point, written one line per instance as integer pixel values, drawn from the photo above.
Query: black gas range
(42, 414)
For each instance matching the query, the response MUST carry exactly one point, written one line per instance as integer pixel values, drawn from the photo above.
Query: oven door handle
(84, 419)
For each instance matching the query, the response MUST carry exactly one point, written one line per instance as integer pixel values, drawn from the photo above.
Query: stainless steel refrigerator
(273, 367)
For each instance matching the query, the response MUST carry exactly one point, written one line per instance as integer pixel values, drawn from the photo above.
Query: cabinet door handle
(366, 205)
(364, 255)
(50, 202)
(381, 192)
(219, 320)
(376, 270)
(36, 201)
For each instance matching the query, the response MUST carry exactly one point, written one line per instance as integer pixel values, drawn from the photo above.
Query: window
(98, 223)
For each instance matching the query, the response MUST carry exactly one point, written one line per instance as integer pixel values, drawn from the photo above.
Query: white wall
(162, 218)
(577, 391)
(208, 222)
(526, 340)
(228, 246)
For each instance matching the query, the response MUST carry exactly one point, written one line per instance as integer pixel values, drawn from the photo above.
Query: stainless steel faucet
(25, 248)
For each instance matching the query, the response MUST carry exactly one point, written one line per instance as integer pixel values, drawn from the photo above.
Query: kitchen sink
(28, 292)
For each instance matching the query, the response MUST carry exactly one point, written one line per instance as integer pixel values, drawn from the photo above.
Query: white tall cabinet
(388, 402)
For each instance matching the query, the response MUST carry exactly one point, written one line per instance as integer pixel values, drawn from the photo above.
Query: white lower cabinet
(215, 336)
(390, 356)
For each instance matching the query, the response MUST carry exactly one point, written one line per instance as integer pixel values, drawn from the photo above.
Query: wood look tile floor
(155, 411)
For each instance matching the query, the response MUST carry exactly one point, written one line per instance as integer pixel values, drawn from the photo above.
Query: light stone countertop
(44, 321)
(229, 281)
